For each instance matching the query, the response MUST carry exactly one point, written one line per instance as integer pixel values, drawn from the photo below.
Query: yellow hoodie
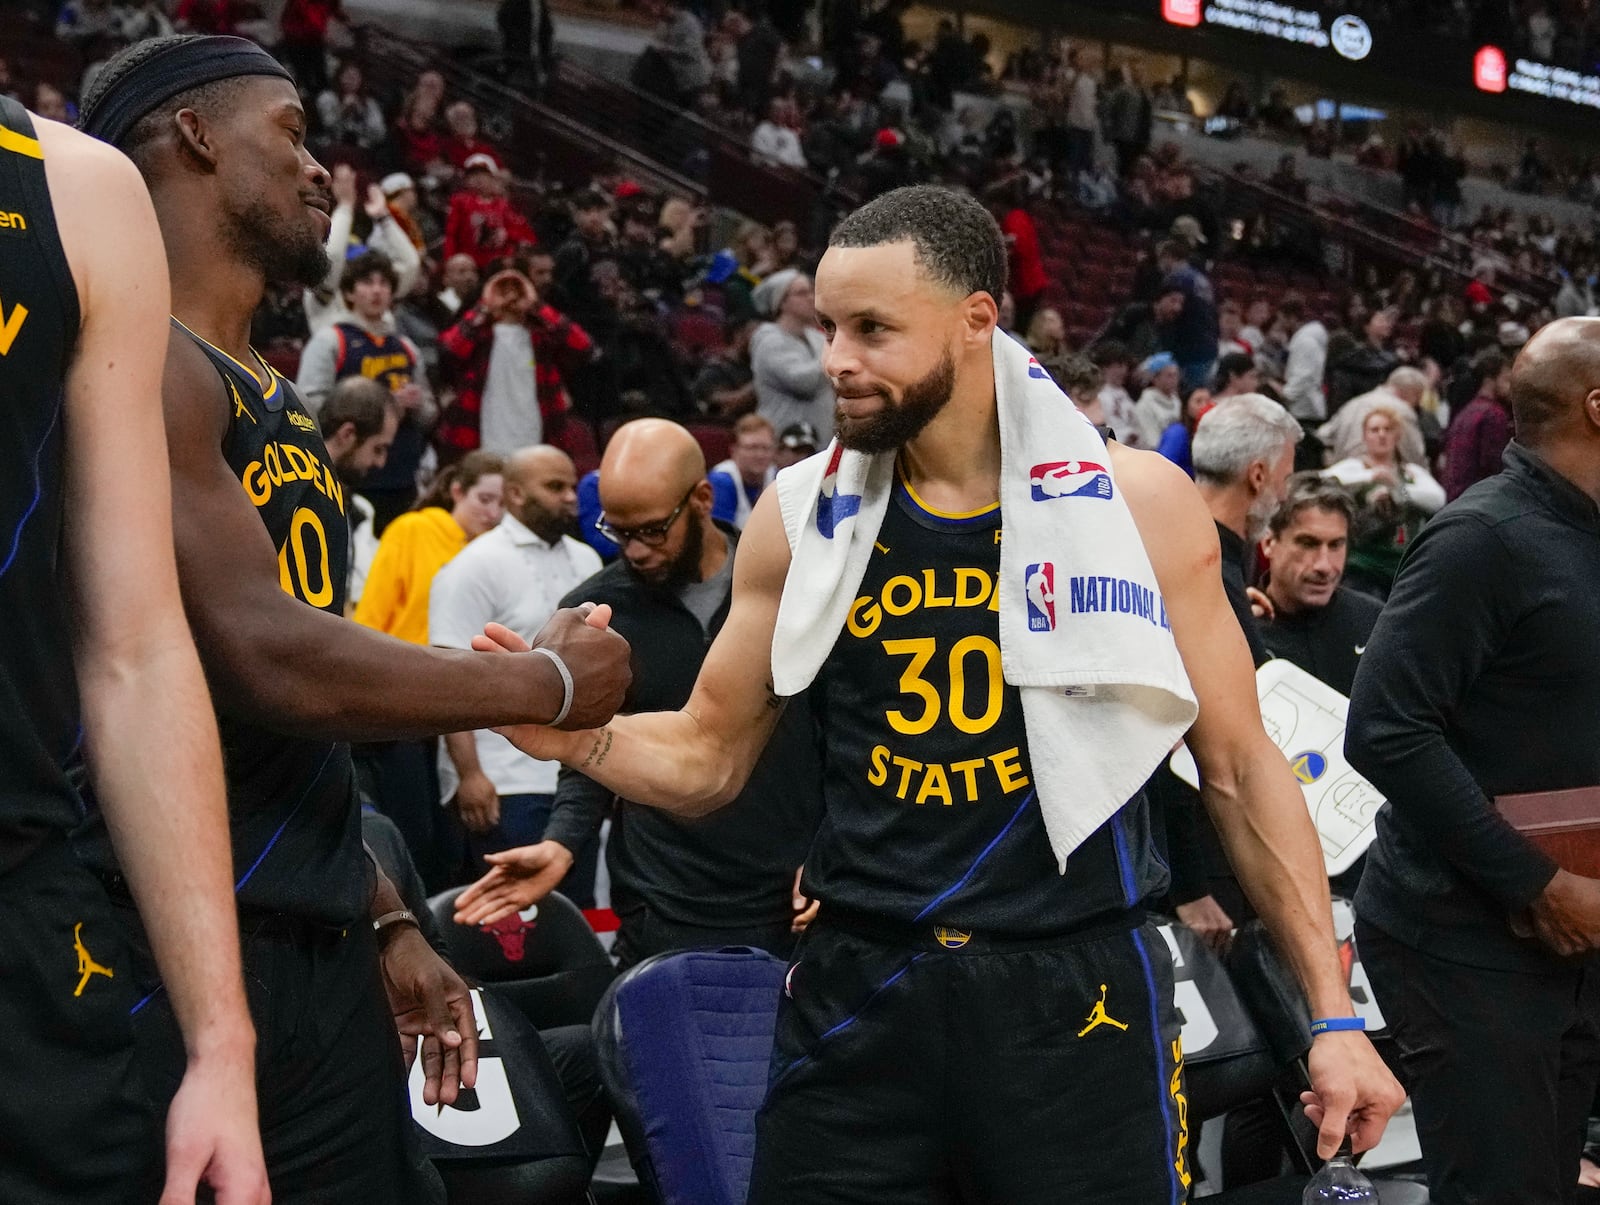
(414, 547)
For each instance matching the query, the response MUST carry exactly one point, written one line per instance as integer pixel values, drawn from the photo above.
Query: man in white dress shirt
(514, 575)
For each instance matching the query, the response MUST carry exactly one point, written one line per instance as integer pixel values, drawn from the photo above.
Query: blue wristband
(1337, 1024)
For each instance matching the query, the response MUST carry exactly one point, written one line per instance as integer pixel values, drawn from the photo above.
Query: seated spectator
(650, 270)
(776, 140)
(84, 21)
(785, 246)
(1080, 379)
(51, 103)
(726, 386)
(400, 190)
(748, 469)
(786, 355)
(1178, 439)
(459, 289)
(461, 141)
(795, 442)
(1230, 330)
(483, 223)
(415, 132)
(1363, 366)
(1158, 406)
(350, 114)
(1047, 334)
(1477, 436)
(1236, 373)
(463, 502)
(573, 286)
(1116, 404)
(220, 17)
(1342, 434)
(1393, 499)
(1286, 178)
(1307, 616)
(508, 359)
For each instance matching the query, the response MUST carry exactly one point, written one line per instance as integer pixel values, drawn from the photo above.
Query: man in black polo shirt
(1482, 678)
(727, 879)
(1307, 618)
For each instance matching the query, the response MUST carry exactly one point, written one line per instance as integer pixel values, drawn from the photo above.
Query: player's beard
(898, 423)
(284, 252)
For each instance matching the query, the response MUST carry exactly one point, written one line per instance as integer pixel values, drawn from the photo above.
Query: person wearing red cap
(483, 223)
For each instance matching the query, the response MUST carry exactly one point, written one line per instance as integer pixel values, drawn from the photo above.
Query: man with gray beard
(1243, 456)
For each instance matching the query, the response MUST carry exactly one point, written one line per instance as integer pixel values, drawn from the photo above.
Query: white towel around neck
(1083, 629)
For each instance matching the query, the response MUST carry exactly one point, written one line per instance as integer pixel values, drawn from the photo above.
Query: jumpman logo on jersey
(1099, 1017)
(87, 966)
(239, 408)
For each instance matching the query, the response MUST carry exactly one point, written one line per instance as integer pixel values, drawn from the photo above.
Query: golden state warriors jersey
(930, 813)
(291, 800)
(39, 316)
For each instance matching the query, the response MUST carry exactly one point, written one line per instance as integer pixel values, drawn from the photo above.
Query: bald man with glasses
(727, 879)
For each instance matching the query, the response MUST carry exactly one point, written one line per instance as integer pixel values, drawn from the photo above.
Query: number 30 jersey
(291, 800)
(931, 816)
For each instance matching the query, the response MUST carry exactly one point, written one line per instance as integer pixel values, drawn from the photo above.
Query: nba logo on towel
(1039, 588)
(1036, 371)
(1069, 479)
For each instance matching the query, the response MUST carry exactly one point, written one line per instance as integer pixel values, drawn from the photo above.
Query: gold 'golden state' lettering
(1180, 1103)
(926, 782)
(903, 594)
(398, 362)
(11, 220)
(284, 463)
(11, 325)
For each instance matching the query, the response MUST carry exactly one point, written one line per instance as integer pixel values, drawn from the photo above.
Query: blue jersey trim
(38, 489)
(1163, 1095)
(973, 869)
(851, 1019)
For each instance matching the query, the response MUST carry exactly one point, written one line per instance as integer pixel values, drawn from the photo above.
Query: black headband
(181, 67)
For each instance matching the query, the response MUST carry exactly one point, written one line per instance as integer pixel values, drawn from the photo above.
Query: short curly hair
(954, 238)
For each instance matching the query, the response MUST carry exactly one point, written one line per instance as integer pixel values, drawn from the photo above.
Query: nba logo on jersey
(1036, 371)
(1069, 479)
(1039, 582)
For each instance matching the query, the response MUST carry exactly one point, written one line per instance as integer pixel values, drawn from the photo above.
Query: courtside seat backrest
(512, 1139)
(690, 1033)
(545, 940)
(1274, 998)
(1225, 1058)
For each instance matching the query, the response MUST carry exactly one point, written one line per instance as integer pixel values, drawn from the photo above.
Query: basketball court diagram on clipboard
(1306, 720)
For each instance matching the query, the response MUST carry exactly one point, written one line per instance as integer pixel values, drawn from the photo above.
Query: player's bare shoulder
(97, 195)
(1172, 518)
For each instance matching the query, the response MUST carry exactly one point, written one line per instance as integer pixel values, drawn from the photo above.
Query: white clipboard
(1305, 718)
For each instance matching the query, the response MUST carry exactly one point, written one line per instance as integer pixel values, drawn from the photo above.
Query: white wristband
(566, 685)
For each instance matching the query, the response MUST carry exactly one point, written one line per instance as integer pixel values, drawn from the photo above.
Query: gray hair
(1406, 377)
(1239, 432)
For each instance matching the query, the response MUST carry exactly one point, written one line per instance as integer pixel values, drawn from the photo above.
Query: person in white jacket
(1394, 500)
(1307, 361)
(324, 305)
(775, 139)
(1158, 406)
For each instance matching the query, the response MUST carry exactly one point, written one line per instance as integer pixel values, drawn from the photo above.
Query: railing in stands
(537, 135)
(1353, 244)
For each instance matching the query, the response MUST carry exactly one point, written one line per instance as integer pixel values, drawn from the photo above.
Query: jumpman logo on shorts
(1098, 1015)
(87, 966)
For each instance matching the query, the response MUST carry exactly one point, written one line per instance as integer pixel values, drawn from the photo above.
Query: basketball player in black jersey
(96, 656)
(963, 1023)
(216, 128)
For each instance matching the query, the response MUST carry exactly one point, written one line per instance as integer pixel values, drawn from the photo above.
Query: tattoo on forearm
(774, 699)
(598, 751)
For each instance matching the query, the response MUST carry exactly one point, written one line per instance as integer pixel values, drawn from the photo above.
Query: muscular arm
(1248, 788)
(148, 728)
(279, 662)
(694, 761)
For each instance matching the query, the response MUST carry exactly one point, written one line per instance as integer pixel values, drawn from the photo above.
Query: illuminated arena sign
(1490, 74)
(1348, 36)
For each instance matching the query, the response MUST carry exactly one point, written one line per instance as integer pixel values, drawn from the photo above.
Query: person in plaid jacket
(508, 318)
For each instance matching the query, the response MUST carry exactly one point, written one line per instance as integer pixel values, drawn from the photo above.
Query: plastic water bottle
(1340, 1181)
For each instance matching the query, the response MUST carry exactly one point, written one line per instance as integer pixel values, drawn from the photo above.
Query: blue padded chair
(685, 1042)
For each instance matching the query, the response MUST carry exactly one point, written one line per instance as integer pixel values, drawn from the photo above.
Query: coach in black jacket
(725, 879)
(1482, 678)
